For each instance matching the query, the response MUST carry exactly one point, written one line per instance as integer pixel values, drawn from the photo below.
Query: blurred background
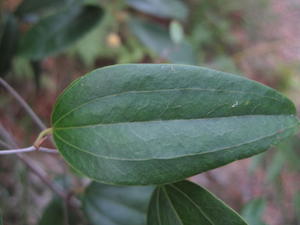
(46, 44)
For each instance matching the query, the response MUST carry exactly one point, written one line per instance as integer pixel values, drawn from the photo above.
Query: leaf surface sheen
(160, 123)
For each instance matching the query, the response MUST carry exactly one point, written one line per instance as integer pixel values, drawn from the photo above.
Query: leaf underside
(185, 203)
(160, 123)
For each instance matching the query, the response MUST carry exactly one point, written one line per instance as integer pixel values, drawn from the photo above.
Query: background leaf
(159, 123)
(55, 33)
(38, 6)
(106, 205)
(54, 214)
(161, 8)
(189, 204)
(253, 211)
(8, 41)
(158, 40)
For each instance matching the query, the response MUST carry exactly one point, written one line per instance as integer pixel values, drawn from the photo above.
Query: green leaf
(8, 41)
(161, 8)
(55, 214)
(105, 204)
(189, 204)
(253, 212)
(160, 123)
(55, 33)
(158, 40)
(37, 6)
(1, 221)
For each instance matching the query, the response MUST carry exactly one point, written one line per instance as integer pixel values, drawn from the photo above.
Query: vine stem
(72, 200)
(28, 149)
(22, 102)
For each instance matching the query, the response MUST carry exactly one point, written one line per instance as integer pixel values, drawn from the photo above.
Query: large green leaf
(189, 204)
(161, 8)
(55, 33)
(112, 205)
(158, 40)
(8, 40)
(160, 123)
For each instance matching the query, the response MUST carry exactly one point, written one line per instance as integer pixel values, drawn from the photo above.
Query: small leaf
(158, 40)
(189, 204)
(105, 204)
(176, 32)
(55, 214)
(161, 8)
(8, 41)
(55, 33)
(253, 212)
(160, 123)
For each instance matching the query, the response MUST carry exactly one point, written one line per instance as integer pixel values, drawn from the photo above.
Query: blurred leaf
(253, 211)
(157, 39)
(22, 67)
(176, 32)
(1, 221)
(57, 32)
(224, 63)
(105, 204)
(54, 214)
(161, 8)
(38, 6)
(277, 163)
(297, 205)
(256, 161)
(189, 204)
(8, 41)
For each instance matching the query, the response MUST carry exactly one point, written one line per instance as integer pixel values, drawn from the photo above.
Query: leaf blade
(123, 122)
(192, 204)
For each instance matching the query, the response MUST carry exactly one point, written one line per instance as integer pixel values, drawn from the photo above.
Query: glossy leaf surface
(189, 204)
(160, 123)
(55, 33)
(161, 8)
(112, 205)
(158, 40)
